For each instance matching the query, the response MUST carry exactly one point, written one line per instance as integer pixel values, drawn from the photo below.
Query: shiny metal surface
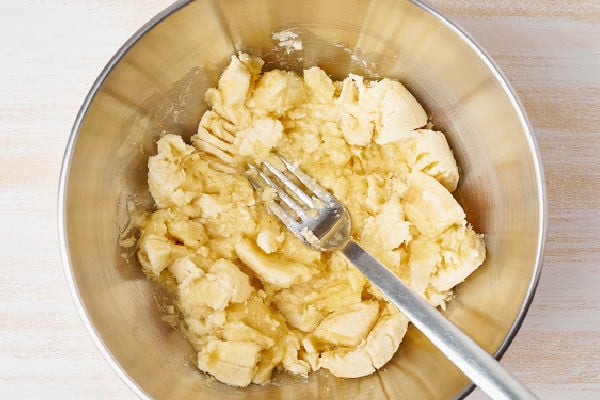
(156, 82)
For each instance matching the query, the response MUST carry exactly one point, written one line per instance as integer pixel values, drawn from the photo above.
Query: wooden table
(52, 51)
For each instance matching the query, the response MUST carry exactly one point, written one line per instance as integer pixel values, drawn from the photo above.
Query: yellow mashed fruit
(254, 298)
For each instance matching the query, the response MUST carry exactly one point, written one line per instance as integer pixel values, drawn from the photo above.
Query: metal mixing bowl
(155, 83)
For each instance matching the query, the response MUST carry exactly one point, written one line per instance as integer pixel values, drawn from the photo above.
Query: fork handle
(475, 363)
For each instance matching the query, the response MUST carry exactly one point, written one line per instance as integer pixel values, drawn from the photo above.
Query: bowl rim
(116, 58)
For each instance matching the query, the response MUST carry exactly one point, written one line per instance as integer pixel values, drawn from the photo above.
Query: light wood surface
(50, 54)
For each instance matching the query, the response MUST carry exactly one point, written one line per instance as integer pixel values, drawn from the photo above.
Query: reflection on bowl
(156, 82)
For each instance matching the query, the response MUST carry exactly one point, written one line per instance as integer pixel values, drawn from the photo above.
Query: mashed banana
(252, 296)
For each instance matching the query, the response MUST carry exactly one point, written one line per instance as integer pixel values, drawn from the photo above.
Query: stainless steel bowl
(155, 83)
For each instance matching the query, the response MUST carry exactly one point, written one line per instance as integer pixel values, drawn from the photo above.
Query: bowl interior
(156, 84)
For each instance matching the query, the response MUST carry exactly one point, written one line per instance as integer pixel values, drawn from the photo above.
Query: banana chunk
(157, 247)
(319, 84)
(385, 109)
(155, 253)
(290, 361)
(384, 339)
(428, 152)
(166, 175)
(224, 283)
(357, 129)
(258, 139)
(185, 270)
(350, 326)
(272, 269)
(269, 238)
(229, 98)
(297, 313)
(462, 251)
(305, 305)
(233, 363)
(401, 114)
(424, 260)
(190, 233)
(429, 205)
(374, 352)
(388, 229)
(277, 92)
(347, 363)
(239, 331)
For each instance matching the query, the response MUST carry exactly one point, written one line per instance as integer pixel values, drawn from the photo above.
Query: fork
(321, 221)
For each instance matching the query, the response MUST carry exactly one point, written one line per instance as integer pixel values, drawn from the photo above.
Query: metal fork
(321, 221)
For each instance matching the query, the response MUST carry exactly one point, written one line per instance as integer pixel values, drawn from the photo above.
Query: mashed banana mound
(251, 296)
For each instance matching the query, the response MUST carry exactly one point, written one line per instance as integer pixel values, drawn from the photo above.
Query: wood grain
(550, 52)
(52, 52)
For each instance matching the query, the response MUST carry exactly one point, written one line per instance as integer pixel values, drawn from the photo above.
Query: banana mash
(251, 296)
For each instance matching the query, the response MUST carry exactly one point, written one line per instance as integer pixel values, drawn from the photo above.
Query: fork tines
(287, 183)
